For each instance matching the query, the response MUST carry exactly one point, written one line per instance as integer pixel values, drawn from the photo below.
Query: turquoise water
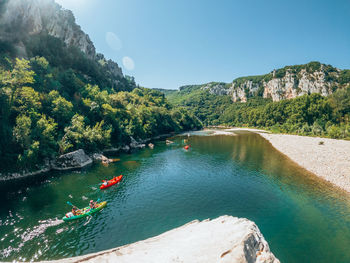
(303, 218)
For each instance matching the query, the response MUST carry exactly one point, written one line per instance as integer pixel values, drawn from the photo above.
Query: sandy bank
(330, 160)
(224, 239)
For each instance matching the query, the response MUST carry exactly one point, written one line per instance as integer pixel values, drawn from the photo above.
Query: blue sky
(166, 44)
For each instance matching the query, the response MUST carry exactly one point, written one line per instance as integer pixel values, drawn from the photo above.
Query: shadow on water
(303, 218)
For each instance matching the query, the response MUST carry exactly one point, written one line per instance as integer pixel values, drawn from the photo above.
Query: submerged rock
(224, 239)
(100, 157)
(72, 160)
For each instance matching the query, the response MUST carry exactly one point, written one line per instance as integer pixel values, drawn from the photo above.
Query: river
(303, 218)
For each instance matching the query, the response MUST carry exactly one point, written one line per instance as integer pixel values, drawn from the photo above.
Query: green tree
(45, 133)
(16, 78)
(22, 131)
(28, 101)
(62, 110)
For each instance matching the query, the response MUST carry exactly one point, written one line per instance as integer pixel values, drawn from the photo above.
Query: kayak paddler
(75, 211)
(93, 204)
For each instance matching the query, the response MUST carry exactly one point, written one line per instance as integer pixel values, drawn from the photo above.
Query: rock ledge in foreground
(224, 239)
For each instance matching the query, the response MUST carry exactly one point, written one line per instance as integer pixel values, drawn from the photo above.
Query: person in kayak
(93, 204)
(104, 182)
(75, 211)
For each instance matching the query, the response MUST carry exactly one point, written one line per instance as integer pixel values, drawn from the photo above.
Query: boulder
(72, 160)
(224, 239)
(99, 157)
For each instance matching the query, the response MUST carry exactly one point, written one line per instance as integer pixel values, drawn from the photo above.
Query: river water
(303, 218)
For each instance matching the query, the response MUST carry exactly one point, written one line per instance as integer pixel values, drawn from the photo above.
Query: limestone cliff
(217, 88)
(36, 16)
(288, 84)
(21, 19)
(285, 83)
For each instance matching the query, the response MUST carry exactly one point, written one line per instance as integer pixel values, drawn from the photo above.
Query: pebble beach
(326, 158)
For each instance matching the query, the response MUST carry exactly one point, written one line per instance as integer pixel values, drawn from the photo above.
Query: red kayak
(111, 182)
(187, 147)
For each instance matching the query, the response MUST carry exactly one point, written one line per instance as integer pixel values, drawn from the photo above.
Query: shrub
(334, 132)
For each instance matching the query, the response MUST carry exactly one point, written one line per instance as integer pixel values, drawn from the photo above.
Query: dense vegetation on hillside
(61, 98)
(207, 107)
(49, 109)
(65, 61)
(306, 115)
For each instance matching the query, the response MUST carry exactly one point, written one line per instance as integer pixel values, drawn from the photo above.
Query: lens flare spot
(128, 63)
(113, 41)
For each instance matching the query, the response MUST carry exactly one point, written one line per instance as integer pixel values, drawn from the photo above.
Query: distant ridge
(284, 83)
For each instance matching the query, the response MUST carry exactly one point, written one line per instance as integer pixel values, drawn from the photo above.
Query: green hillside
(47, 111)
(55, 98)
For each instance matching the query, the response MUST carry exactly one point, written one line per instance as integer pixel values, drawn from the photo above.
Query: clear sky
(169, 43)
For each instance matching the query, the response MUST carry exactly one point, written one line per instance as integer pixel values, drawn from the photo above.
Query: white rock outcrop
(289, 83)
(216, 88)
(240, 92)
(290, 86)
(224, 239)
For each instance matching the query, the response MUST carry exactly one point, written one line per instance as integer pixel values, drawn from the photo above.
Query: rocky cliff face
(110, 66)
(217, 88)
(285, 83)
(21, 19)
(287, 87)
(37, 16)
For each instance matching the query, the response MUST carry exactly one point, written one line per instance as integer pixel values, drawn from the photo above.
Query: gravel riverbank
(327, 158)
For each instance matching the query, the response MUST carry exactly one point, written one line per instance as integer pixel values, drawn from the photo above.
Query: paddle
(73, 206)
(70, 203)
(78, 208)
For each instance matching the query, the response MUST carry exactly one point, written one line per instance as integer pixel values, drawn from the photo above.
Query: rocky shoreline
(324, 157)
(79, 159)
(224, 239)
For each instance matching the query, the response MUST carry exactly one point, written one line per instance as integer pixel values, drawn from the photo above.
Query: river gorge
(303, 218)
